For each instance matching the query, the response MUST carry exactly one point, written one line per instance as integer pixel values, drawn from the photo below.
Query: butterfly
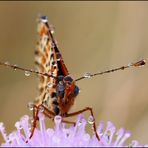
(57, 89)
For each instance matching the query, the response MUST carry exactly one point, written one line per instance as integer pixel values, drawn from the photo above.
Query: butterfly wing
(49, 60)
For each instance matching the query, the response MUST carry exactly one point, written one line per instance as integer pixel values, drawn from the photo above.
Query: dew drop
(87, 75)
(44, 19)
(31, 120)
(57, 119)
(18, 125)
(51, 29)
(1, 125)
(7, 63)
(30, 105)
(91, 120)
(27, 73)
(79, 123)
(80, 90)
(41, 108)
(29, 127)
(58, 56)
(15, 67)
(129, 64)
(49, 85)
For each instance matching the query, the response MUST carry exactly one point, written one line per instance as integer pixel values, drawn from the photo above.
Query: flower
(60, 135)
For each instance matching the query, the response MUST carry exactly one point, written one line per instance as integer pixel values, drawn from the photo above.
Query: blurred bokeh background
(92, 36)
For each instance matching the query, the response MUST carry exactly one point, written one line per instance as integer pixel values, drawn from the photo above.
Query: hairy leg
(84, 110)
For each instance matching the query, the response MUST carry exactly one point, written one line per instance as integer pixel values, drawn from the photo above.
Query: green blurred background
(92, 36)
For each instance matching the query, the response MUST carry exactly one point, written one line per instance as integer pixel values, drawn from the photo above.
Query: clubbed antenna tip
(140, 63)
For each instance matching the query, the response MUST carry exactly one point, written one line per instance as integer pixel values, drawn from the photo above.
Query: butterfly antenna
(26, 70)
(136, 64)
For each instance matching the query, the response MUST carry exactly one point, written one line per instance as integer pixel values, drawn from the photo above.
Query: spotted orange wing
(49, 60)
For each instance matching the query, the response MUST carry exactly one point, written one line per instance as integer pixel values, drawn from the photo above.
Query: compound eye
(60, 86)
(60, 78)
(76, 91)
(68, 79)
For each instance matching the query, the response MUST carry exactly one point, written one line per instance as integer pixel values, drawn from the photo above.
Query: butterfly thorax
(66, 92)
(60, 98)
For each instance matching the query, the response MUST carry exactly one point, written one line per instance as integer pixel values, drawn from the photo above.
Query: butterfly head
(67, 85)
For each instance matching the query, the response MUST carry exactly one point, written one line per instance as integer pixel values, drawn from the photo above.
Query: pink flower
(60, 135)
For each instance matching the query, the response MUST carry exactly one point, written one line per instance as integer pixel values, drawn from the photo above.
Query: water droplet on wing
(30, 105)
(49, 85)
(41, 108)
(58, 56)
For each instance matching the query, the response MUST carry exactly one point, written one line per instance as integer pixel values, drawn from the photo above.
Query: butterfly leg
(50, 115)
(35, 118)
(64, 121)
(68, 122)
(47, 113)
(84, 110)
(36, 110)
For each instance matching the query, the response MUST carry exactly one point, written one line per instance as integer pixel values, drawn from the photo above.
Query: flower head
(60, 135)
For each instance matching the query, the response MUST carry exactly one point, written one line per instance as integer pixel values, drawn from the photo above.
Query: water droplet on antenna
(15, 67)
(7, 63)
(87, 75)
(129, 64)
(27, 73)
